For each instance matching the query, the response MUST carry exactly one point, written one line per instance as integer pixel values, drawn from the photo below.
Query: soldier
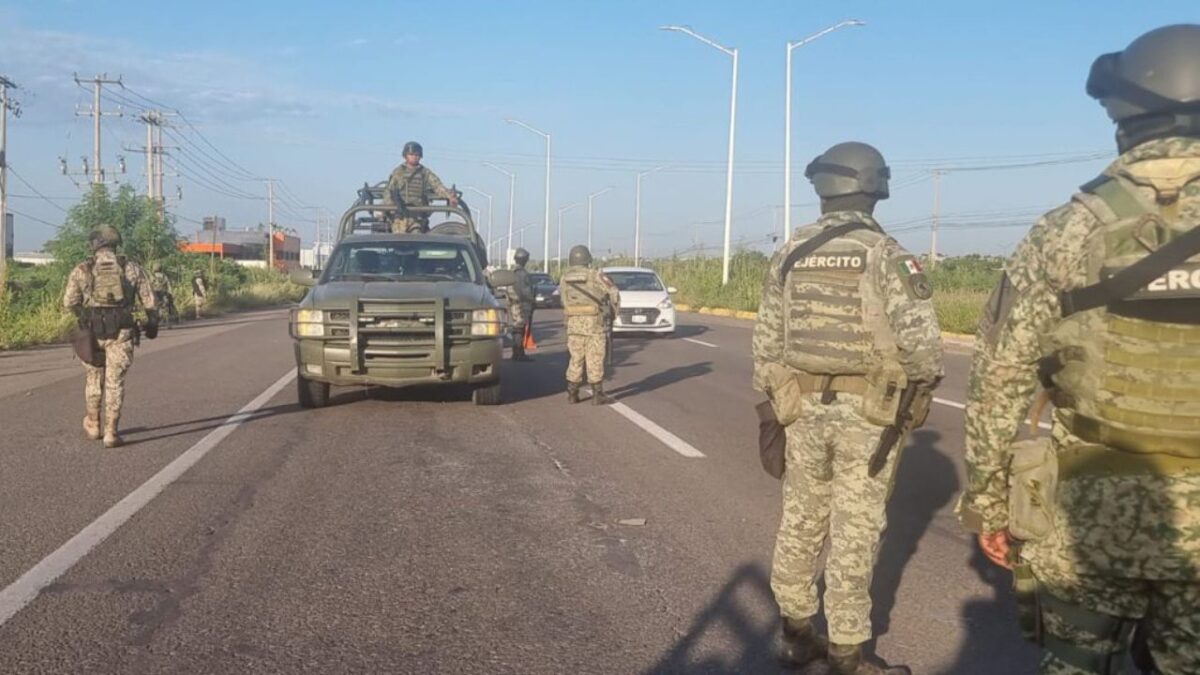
(161, 285)
(101, 293)
(520, 305)
(846, 347)
(199, 292)
(412, 184)
(590, 301)
(1100, 301)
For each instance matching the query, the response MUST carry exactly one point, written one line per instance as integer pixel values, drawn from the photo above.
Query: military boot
(598, 395)
(848, 660)
(111, 439)
(801, 644)
(91, 425)
(572, 392)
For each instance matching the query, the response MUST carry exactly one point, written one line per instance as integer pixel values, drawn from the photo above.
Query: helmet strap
(1135, 131)
(859, 201)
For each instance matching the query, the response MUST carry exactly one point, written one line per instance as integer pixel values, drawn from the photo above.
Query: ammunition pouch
(1132, 441)
(885, 382)
(772, 440)
(581, 310)
(106, 323)
(1032, 485)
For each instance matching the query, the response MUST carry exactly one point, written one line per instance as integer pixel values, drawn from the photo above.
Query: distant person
(413, 184)
(590, 301)
(163, 298)
(520, 305)
(846, 345)
(102, 292)
(1101, 302)
(199, 292)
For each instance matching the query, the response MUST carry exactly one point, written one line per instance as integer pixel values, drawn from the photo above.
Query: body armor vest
(107, 282)
(413, 187)
(1130, 371)
(833, 313)
(576, 301)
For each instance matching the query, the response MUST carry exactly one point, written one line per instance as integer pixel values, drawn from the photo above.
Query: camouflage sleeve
(1003, 377)
(605, 286)
(137, 278)
(73, 296)
(392, 190)
(767, 342)
(909, 307)
(436, 186)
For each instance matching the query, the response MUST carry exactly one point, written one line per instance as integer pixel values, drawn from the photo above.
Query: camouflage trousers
(410, 226)
(586, 350)
(827, 495)
(519, 313)
(106, 386)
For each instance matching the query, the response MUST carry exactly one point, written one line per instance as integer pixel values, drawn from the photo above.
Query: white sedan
(646, 305)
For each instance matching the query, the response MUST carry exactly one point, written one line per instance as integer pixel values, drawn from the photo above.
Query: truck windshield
(401, 261)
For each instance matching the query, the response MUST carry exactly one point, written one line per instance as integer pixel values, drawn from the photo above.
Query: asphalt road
(413, 532)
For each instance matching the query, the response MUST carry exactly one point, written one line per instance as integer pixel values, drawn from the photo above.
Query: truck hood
(342, 293)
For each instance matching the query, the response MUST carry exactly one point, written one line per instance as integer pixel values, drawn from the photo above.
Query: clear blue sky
(324, 96)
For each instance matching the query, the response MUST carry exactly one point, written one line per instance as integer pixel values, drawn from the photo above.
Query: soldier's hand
(997, 546)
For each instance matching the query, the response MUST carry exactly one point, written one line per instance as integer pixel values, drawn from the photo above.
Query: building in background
(315, 256)
(247, 247)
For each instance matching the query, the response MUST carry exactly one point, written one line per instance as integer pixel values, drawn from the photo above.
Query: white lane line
(669, 439)
(962, 406)
(26, 589)
(700, 342)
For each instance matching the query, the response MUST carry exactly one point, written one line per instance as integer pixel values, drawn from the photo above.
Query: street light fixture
(512, 194)
(637, 216)
(733, 52)
(489, 227)
(546, 224)
(787, 125)
(590, 198)
(561, 211)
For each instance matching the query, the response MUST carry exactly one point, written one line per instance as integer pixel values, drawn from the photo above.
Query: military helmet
(580, 255)
(521, 256)
(1158, 72)
(847, 169)
(104, 236)
(413, 148)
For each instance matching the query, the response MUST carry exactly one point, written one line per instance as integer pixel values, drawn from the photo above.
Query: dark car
(545, 291)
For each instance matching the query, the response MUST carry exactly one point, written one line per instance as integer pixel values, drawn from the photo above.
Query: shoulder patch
(916, 284)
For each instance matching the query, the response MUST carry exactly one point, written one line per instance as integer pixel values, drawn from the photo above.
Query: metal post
(561, 211)
(933, 224)
(270, 224)
(546, 222)
(637, 215)
(98, 173)
(729, 172)
(512, 196)
(4, 233)
(591, 197)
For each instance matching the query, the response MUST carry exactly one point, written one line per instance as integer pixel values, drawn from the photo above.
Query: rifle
(893, 432)
(607, 309)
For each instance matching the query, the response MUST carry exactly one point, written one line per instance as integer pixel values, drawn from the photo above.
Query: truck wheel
(488, 394)
(312, 394)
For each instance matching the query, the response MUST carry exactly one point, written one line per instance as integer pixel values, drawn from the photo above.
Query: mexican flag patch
(910, 266)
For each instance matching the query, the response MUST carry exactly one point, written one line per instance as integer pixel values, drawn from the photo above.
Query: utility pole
(5, 104)
(933, 223)
(97, 114)
(150, 120)
(270, 224)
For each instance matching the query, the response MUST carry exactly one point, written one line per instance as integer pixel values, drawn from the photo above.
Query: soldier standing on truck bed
(412, 184)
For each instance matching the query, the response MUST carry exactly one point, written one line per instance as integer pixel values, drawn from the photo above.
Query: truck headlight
(309, 323)
(488, 322)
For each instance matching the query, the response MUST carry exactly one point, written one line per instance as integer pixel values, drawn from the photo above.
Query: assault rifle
(892, 433)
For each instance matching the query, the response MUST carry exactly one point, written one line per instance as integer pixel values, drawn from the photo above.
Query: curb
(952, 338)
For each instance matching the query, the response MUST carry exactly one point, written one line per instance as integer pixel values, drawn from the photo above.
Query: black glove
(772, 440)
(151, 327)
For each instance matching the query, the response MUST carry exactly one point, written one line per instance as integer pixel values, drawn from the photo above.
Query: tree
(145, 235)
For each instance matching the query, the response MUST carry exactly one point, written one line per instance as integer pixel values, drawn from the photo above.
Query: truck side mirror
(501, 278)
(303, 277)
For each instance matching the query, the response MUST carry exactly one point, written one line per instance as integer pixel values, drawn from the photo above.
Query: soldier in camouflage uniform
(160, 283)
(101, 293)
(520, 305)
(412, 184)
(1101, 521)
(843, 328)
(199, 292)
(590, 301)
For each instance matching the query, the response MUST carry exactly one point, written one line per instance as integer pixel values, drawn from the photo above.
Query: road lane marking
(700, 342)
(25, 589)
(669, 439)
(962, 406)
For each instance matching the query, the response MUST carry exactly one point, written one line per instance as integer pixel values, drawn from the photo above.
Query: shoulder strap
(1133, 278)
(823, 237)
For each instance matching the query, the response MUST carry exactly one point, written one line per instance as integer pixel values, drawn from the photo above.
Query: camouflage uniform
(583, 291)
(413, 186)
(860, 297)
(106, 384)
(199, 293)
(1125, 537)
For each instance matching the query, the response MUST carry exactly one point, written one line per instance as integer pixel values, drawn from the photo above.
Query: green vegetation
(961, 284)
(31, 306)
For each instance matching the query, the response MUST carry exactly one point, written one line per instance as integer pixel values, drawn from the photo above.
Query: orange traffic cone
(530, 345)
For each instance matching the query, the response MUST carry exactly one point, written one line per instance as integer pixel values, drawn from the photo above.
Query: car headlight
(488, 322)
(555, 292)
(309, 323)
(665, 304)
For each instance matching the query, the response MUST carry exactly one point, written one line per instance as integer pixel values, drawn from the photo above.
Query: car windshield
(636, 281)
(402, 261)
(542, 280)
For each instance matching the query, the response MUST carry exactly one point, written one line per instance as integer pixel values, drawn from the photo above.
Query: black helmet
(413, 148)
(580, 255)
(104, 236)
(1152, 88)
(847, 169)
(521, 256)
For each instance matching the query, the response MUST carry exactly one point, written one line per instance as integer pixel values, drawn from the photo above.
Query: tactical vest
(413, 186)
(1128, 374)
(107, 287)
(575, 290)
(833, 312)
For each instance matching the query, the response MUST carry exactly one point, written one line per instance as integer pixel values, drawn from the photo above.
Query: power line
(34, 218)
(35, 190)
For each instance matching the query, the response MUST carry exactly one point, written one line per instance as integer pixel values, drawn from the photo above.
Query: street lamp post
(637, 216)
(512, 194)
(561, 211)
(546, 233)
(733, 52)
(787, 124)
(590, 198)
(489, 227)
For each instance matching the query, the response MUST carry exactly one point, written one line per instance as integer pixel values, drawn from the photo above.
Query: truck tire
(311, 394)
(488, 394)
